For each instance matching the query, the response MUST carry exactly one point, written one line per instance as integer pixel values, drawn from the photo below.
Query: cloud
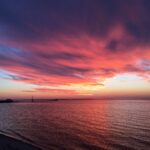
(53, 91)
(36, 20)
(57, 42)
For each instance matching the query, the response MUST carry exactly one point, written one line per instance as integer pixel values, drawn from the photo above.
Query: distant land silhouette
(28, 100)
(6, 101)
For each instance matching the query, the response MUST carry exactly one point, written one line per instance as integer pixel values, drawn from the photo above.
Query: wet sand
(8, 143)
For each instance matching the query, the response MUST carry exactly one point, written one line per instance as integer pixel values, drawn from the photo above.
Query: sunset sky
(74, 48)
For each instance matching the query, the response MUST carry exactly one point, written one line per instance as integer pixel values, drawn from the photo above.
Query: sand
(8, 143)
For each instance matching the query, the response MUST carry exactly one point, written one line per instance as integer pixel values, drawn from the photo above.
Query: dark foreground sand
(7, 143)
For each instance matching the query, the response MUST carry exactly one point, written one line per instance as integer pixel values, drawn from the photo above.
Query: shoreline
(9, 143)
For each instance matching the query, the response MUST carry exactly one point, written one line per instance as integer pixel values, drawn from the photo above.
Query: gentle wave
(96, 125)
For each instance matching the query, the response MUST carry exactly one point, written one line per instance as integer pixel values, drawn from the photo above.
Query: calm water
(79, 125)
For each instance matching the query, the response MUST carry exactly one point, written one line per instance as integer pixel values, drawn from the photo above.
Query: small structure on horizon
(7, 101)
(53, 100)
(32, 100)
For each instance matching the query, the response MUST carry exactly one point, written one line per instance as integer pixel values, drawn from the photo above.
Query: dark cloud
(38, 20)
(56, 69)
(61, 56)
(112, 45)
(17, 78)
(42, 63)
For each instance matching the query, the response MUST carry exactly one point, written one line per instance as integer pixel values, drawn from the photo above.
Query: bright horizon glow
(122, 85)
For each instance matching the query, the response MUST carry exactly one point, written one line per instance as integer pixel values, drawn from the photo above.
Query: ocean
(79, 124)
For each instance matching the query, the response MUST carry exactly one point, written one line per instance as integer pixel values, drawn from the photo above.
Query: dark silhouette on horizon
(7, 101)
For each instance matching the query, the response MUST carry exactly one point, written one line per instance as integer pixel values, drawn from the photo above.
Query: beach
(8, 143)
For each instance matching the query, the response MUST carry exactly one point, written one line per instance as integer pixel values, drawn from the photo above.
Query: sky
(75, 48)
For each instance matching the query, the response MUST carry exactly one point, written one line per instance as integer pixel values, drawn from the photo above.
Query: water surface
(80, 124)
